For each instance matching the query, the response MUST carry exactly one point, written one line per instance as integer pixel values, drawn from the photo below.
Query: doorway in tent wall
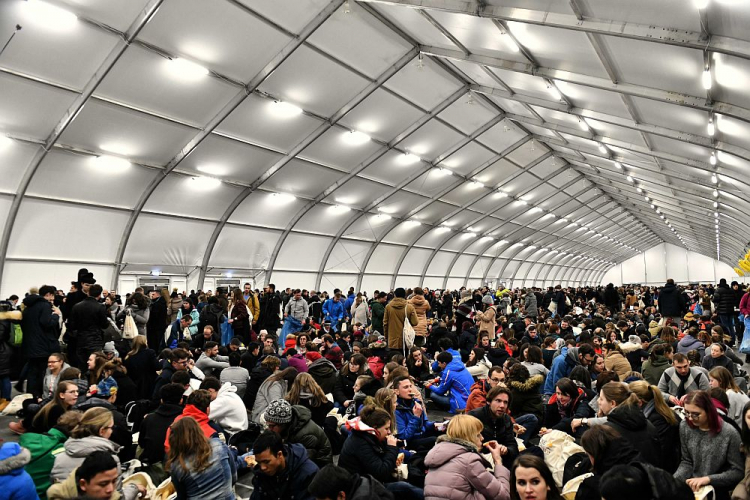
(178, 282)
(126, 284)
(149, 283)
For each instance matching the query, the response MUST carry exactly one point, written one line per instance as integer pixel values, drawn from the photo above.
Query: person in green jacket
(378, 310)
(658, 361)
(45, 447)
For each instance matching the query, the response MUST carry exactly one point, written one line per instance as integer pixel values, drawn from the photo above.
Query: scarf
(563, 408)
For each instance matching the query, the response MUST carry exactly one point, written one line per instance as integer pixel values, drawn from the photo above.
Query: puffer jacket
(456, 471)
(408, 425)
(457, 380)
(173, 308)
(688, 343)
(617, 363)
(421, 306)
(43, 448)
(632, 424)
(15, 482)
(364, 453)
(526, 398)
(671, 301)
(304, 431)
(723, 299)
(269, 390)
(478, 395)
(76, 451)
(529, 304)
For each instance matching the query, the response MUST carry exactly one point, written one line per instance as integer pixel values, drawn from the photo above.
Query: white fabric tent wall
(665, 261)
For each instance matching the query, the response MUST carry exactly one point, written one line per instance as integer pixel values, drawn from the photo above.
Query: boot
(17, 427)
(3, 403)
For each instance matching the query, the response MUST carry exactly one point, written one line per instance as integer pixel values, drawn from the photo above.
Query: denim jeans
(402, 489)
(531, 423)
(727, 322)
(442, 402)
(5, 387)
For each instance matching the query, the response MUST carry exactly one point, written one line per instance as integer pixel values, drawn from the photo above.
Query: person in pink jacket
(456, 470)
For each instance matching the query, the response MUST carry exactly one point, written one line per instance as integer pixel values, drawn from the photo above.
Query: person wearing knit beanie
(279, 411)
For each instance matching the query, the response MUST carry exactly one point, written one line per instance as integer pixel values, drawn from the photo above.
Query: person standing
(724, 300)
(41, 327)
(378, 311)
(671, 302)
(87, 320)
(157, 321)
(396, 314)
(270, 307)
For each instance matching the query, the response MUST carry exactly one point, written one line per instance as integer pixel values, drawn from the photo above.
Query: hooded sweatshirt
(228, 410)
(457, 381)
(561, 367)
(43, 448)
(199, 416)
(76, 451)
(14, 480)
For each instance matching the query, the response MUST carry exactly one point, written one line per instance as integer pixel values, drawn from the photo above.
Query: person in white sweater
(227, 408)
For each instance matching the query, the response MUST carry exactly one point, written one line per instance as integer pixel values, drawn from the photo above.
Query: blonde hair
(619, 392)
(304, 382)
(139, 342)
(384, 399)
(646, 393)
(464, 427)
(92, 422)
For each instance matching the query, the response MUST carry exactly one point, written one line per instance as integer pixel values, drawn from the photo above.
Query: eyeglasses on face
(693, 415)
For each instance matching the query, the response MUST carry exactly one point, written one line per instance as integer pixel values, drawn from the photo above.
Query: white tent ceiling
(361, 143)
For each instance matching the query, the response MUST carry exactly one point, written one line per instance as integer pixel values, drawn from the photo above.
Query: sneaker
(17, 428)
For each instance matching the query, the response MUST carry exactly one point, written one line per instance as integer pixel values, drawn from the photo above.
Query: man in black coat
(497, 425)
(41, 329)
(671, 303)
(87, 320)
(178, 361)
(724, 300)
(153, 430)
(337, 482)
(270, 308)
(157, 321)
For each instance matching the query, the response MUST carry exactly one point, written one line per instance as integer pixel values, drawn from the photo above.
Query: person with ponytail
(619, 408)
(664, 420)
(710, 450)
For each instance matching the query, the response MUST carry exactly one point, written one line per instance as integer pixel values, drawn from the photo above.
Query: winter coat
(228, 410)
(304, 431)
(360, 314)
(41, 328)
(709, 363)
(667, 437)
(215, 482)
(87, 320)
(617, 363)
(333, 311)
(202, 418)
(269, 390)
(611, 298)
(6, 350)
(289, 484)
(364, 453)
(408, 425)
(653, 370)
(487, 321)
(142, 368)
(15, 482)
(421, 306)
(466, 343)
(456, 471)
(619, 452)
(43, 449)
(298, 361)
(140, 316)
(688, 343)
(127, 391)
(526, 398)
(671, 301)
(153, 432)
(529, 303)
(343, 390)
(257, 376)
(723, 299)
(324, 373)
(395, 315)
(497, 356)
(195, 316)
(578, 408)
(498, 429)
(173, 307)
(562, 365)
(212, 315)
(157, 322)
(457, 380)
(377, 311)
(633, 425)
(480, 369)
(478, 396)
(368, 488)
(76, 451)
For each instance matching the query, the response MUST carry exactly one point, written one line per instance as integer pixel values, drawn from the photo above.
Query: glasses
(693, 415)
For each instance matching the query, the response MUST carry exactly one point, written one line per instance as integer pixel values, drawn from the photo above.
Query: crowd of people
(592, 392)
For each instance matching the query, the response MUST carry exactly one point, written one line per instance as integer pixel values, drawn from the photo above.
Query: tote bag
(129, 330)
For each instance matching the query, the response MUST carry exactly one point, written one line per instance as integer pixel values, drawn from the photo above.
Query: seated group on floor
(583, 393)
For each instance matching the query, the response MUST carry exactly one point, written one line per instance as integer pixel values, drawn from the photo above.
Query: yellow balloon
(745, 265)
(739, 271)
(747, 256)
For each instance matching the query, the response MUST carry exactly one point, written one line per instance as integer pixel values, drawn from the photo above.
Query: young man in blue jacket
(569, 358)
(453, 389)
(412, 424)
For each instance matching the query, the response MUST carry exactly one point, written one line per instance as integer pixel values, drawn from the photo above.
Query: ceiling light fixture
(701, 4)
(202, 182)
(582, 123)
(182, 68)
(712, 159)
(477, 184)
(554, 92)
(408, 159)
(347, 7)
(283, 197)
(714, 179)
(711, 127)
(630, 179)
(445, 171)
(716, 193)
(355, 138)
(5, 142)
(603, 149)
(618, 165)
(51, 16)
(420, 62)
(111, 163)
(284, 109)
(706, 79)
(339, 208)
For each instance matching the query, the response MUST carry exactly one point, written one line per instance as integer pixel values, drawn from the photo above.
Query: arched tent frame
(574, 170)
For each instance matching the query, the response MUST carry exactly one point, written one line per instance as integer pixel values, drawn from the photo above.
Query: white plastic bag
(558, 447)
